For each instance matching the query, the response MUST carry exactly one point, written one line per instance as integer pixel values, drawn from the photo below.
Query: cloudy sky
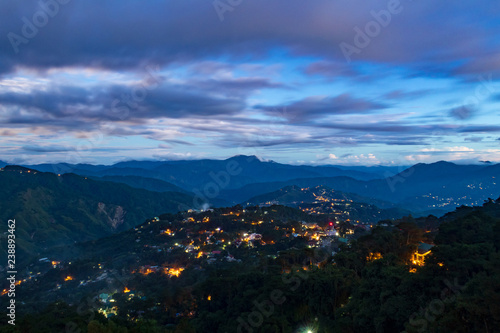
(355, 82)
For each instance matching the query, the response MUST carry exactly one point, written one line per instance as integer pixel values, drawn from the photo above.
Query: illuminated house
(418, 258)
(374, 256)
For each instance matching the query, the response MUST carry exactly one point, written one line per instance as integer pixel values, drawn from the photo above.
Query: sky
(344, 82)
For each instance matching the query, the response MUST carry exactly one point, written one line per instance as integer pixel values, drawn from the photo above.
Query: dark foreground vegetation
(369, 285)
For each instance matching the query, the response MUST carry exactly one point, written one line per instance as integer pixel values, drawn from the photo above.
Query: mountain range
(423, 188)
(195, 174)
(87, 202)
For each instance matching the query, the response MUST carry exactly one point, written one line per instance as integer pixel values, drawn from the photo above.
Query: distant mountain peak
(438, 163)
(246, 158)
(443, 163)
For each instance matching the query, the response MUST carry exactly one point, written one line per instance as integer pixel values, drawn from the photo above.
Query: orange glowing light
(68, 278)
(374, 256)
(173, 271)
(126, 290)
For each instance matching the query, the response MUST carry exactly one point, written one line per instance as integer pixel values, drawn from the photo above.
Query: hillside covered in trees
(373, 284)
(54, 210)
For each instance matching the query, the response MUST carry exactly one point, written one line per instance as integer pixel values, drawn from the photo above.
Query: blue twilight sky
(354, 82)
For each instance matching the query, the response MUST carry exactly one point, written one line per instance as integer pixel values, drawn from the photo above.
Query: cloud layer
(171, 78)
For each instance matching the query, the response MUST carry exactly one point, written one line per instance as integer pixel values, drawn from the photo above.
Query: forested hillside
(52, 209)
(373, 284)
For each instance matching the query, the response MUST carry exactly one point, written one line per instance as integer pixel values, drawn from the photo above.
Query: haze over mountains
(191, 174)
(438, 187)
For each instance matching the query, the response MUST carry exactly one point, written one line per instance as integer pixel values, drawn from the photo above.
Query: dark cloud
(480, 129)
(392, 127)
(265, 142)
(331, 69)
(484, 64)
(129, 34)
(474, 139)
(46, 148)
(317, 107)
(405, 95)
(213, 71)
(74, 106)
(183, 104)
(463, 112)
(236, 86)
(179, 142)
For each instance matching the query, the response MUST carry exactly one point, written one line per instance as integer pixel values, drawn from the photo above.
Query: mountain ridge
(52, 209)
